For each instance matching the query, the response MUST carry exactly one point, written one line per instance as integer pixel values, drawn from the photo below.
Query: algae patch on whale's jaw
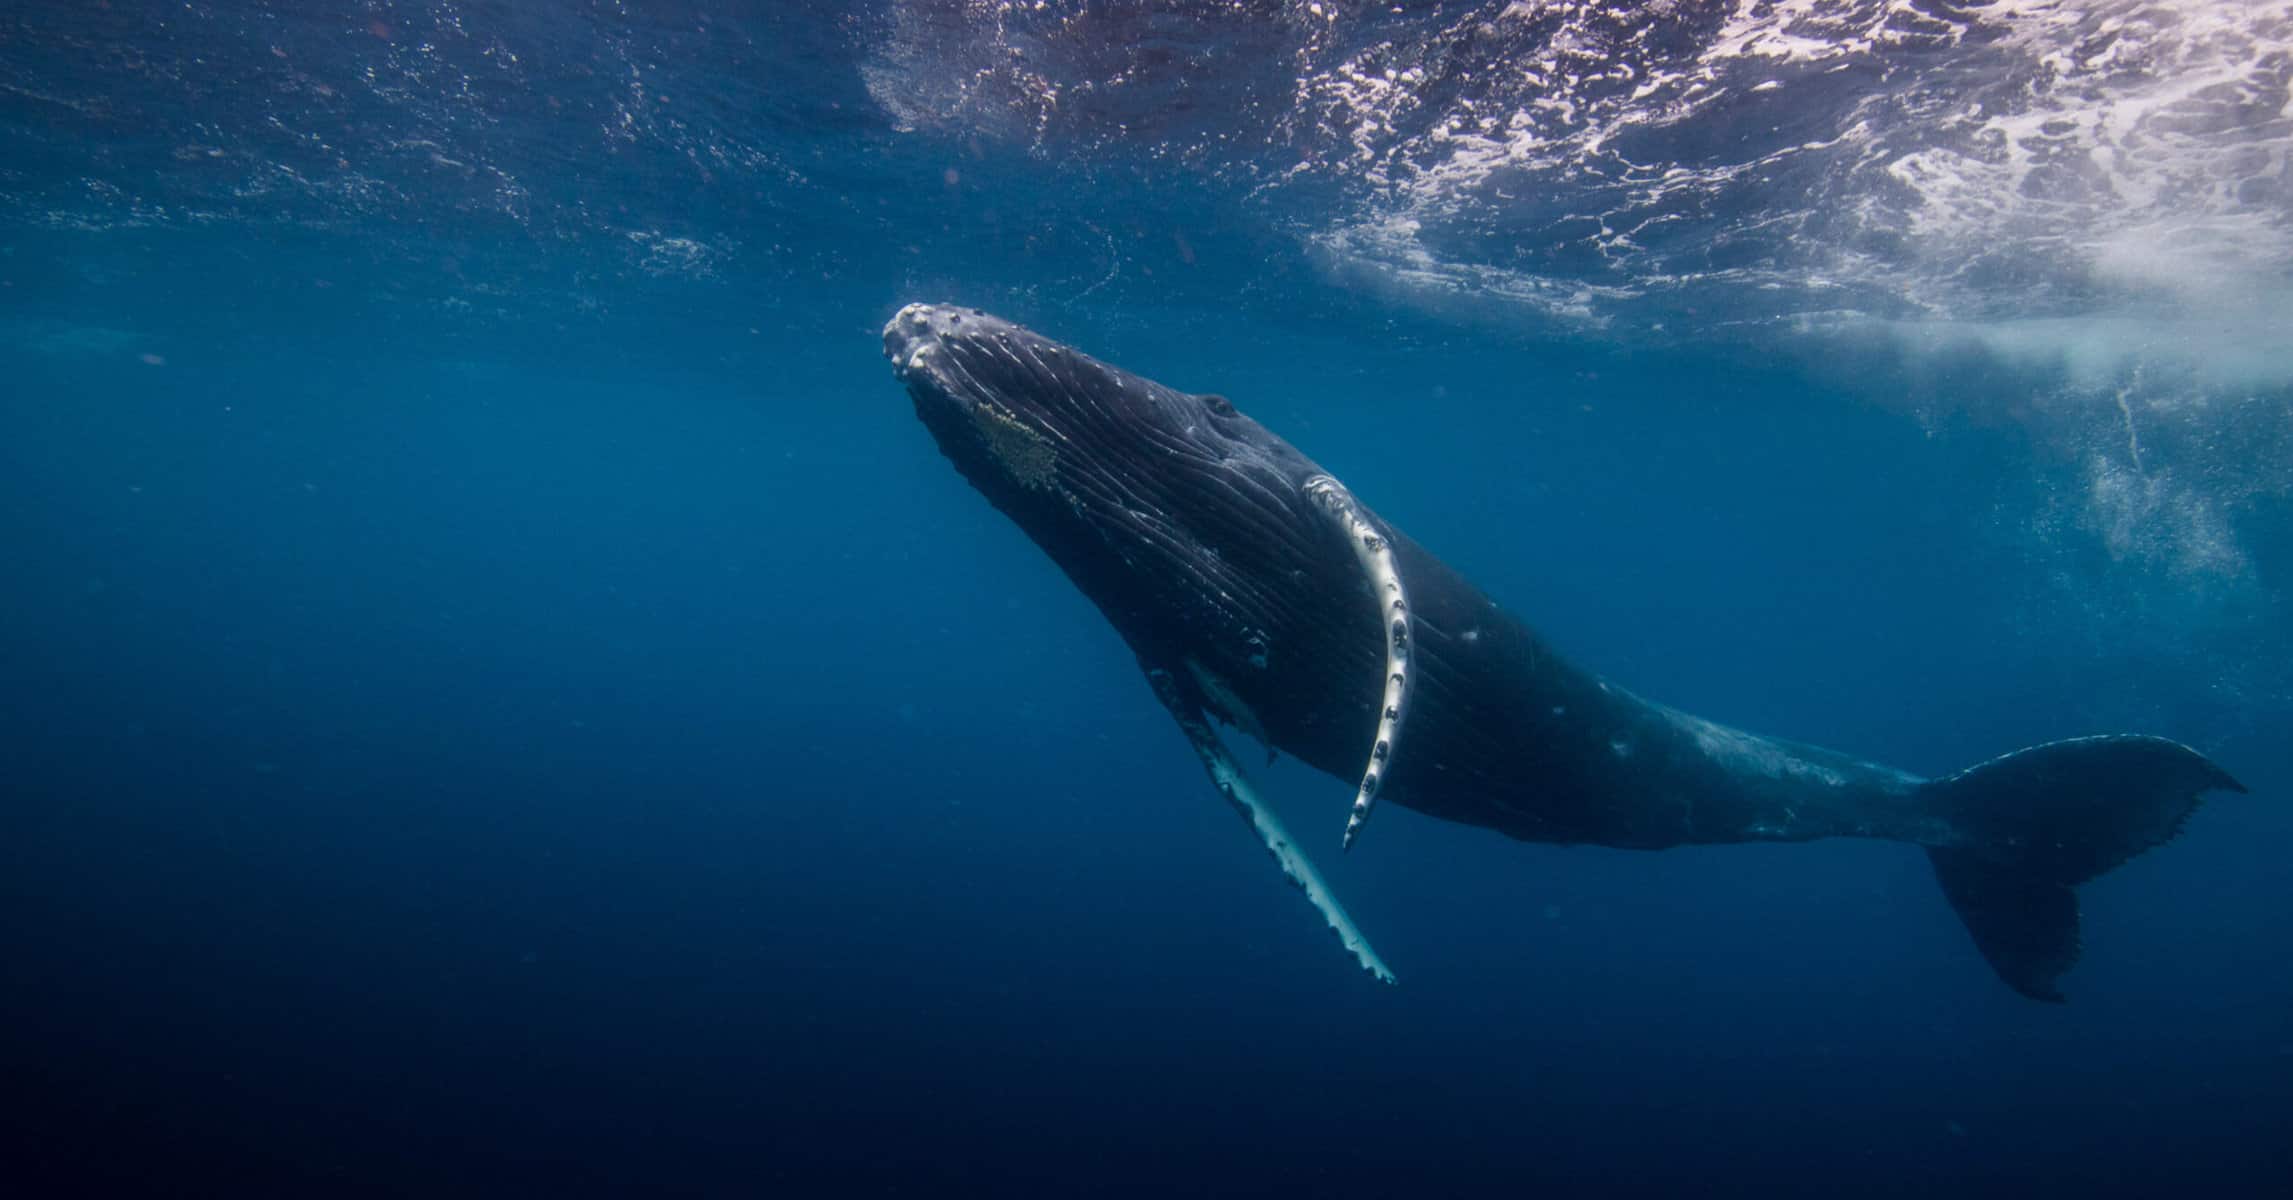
(1027, 456)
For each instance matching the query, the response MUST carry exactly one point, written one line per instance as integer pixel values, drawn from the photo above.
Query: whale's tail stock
(2036, 823)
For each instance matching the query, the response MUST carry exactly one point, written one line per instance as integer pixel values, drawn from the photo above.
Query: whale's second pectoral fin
(1375, 554)
(1226, 774)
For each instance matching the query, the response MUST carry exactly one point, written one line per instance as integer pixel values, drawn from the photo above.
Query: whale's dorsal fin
(1226, 774)
(1375, 553)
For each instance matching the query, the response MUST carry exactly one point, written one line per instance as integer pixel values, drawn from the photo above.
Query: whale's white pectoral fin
(1226, 773)
(1375, 554)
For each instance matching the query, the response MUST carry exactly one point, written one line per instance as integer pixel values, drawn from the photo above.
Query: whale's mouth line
(1005, 422)
(941, 366)
(1135, 438)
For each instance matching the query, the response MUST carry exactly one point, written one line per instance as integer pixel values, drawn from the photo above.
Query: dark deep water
(499, 695)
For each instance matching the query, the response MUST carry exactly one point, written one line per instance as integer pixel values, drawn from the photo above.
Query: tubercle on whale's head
(1126, 482)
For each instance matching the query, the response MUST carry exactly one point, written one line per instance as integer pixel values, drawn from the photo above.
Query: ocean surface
(500, 696)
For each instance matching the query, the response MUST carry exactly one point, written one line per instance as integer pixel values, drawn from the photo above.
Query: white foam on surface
(2096, 191)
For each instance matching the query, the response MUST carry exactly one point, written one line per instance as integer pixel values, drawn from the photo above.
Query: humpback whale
(1257, 591)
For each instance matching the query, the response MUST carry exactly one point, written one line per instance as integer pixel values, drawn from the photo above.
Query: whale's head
(1162, 505)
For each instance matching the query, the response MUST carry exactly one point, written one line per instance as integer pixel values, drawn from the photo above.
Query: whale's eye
(1219, 406)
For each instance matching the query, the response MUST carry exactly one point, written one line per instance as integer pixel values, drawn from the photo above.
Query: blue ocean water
(499, 695)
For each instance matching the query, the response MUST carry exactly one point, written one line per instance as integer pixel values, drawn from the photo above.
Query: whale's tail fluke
(2039, 822)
